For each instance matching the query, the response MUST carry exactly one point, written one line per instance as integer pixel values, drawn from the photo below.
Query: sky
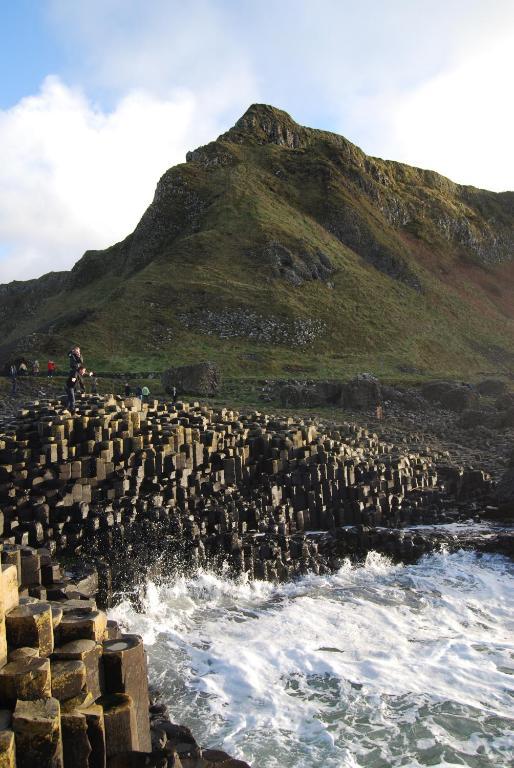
(99, 98)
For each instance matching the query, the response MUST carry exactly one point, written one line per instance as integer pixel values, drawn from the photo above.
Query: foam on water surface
(380, 665)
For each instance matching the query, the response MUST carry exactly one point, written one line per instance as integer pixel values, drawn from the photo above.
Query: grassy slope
(461, 324)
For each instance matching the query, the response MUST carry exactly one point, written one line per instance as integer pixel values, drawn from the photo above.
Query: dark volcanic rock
(475, 417)
(504, 402)
(505, 489)
(491, 387)
(506, 419)
(451, 395)
(198, 379)
(362, 393)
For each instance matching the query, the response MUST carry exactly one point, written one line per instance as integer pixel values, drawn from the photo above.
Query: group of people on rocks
(75, 380)
(26, 369)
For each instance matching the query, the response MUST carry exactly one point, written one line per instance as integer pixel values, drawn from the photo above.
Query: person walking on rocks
(73, 382)
(13, 375)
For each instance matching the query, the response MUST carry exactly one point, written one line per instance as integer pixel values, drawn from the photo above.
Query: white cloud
(426, 83)
(460, 122)
(73, 177)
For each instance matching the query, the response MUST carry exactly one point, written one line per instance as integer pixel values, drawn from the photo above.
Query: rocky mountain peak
(264, 124)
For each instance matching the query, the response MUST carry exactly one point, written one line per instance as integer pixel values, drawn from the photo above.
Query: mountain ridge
(276, 223)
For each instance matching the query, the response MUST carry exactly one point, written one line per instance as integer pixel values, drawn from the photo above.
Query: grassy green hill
(280, 250)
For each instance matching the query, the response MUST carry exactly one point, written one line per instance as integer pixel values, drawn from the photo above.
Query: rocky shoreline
(121, 490)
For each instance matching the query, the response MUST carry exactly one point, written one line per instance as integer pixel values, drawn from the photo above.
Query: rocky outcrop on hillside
(243, 323)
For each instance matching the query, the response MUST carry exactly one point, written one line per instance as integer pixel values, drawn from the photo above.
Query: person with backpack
(74, 382)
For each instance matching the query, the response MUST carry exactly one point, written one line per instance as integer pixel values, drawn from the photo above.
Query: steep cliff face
(276, 232)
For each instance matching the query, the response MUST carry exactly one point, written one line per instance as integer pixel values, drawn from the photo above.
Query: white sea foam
(379, 666)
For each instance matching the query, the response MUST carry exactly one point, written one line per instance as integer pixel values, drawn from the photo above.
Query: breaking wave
(379, 665)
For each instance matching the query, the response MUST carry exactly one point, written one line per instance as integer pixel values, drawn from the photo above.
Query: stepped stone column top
(31, 625)
(26, 679)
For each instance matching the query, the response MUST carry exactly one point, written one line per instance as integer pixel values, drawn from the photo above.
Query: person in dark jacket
(74, 382)
(128, 389)
(75, 358)
(77, 368)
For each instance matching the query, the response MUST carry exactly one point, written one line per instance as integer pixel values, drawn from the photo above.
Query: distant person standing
(35, 368)
(145, 393)
(50, 368)
(139, 392)
(94, 385)
(22, 369)
(128, 389)
(174, 394)
(13, 375)
(73, 382)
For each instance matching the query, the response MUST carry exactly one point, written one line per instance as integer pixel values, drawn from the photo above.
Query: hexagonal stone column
(31, 625)
(125, 669)
(9, 587)
(96, 735)
(27, 679)
(75, 742)
(120, 724)
(82, 624)
(37, 730)
(7, 749)
(68, 679)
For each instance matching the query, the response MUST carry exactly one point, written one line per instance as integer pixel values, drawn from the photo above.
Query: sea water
(376, 665)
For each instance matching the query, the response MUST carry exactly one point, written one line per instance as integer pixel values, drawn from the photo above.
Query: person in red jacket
(50, 367)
